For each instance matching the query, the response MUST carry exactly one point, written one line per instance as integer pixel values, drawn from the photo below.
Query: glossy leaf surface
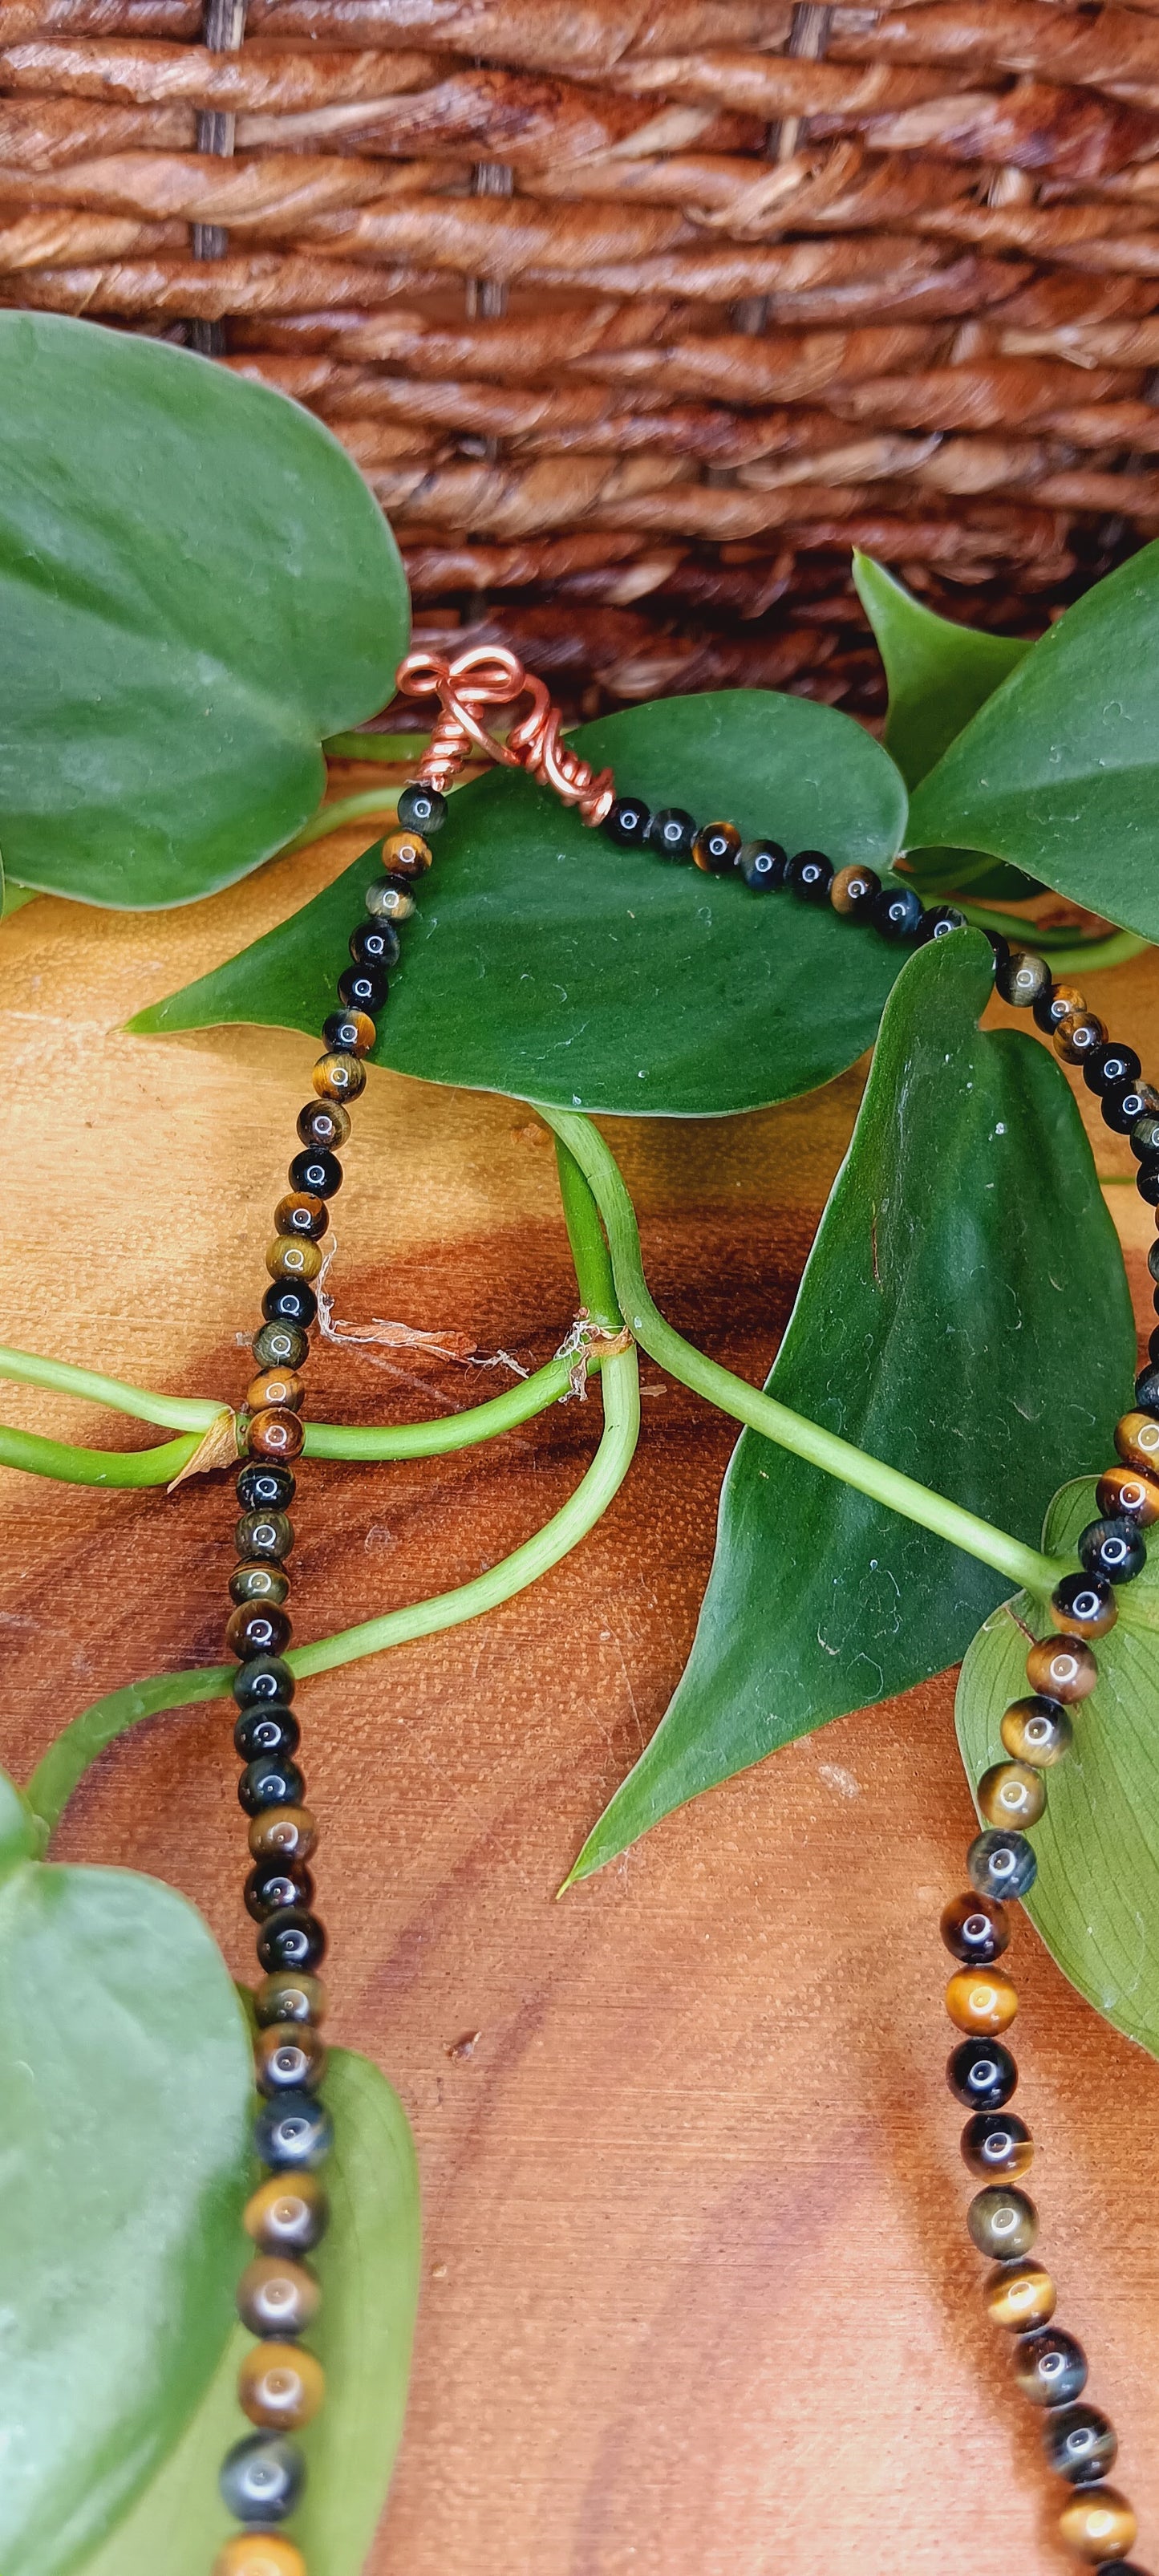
(1096, 1898)
(1059, 771)
(125, 2130)
(368, 2265)
(939, 673)
(547, 963)
(963, 1315)
(195, 586)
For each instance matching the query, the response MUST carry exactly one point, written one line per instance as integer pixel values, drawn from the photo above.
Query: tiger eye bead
(716, 847)
(319, 1175)
(350, 1031)
(981, 2001)
(274, 1433)
(267, 1678)
(1080, 2444)
(258, 1582)
(672, 832)
(1098, 2525)
(1022, 978)
(282, 1833)
(300, 1214)
(1111, 1068)
(1113, 1548)
(1051, 2369)
(375, 943)
(1076, 1037)
(265, 1534)
(265, 1489)
(339, 1077)
(1124, 1495)
(281, 1346)
(262, 2478)
(1036, 1731)
(852, 892)
(1001, 1864)
(1002, 2220)
(269, 1729)
(387, 900)
(981, 2073)
(1010, 1793)
(294, 2134)
(1146, 1392)
(323, 1126)
(1020, 2296)
(405, 854)
(996, 2142)
(289, 1258)
(259, 2553)
(1122, 1110)
(270, 1780)
(1058, 1002)
(275, 1884)
(939, 922)
(976, 1929)
(810, 875)
(1083, 1605)
(288, 2214)
(276, 2296)
(280, 1388)
(290, 1301)
(1137, 1442)
(762, 865)
(289, 2058)
(422, 809)
(286, 1997)
(281, 2386)
(899, 913)
(292, 1938)
(256, 1630)
(1061, 1668)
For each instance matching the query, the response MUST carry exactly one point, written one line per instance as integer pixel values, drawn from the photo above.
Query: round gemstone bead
(996, 2142)
(981, 2000)
(1111, 1068)
(1098, 2525)
(360, 989)
(289, 2058)
(285, 1997)
(762, 865)
(405, 854)
(1147, 1180)
(270, 1781)
(716, 848)
(281, 1345)
(1123, 1109)
(1113, 1548)
(276, 2296)
(938, 924)
(292, 1939)
(810, 874)
(899, 913)
(257, 1582)
(1020, 2296)
(351, 1032)
(1051, 2368)
(1037, 1731)
(1145, 1135)
(300, 1214)
(1002, 2221)
(1010, 1793)
(976, 1929)
(259, 2553)
(1022, 978)
(255, 1630)
(1061, 1668)
(1123, 1495)
(323, 1126)
(294, 2133)
(275, 1432)
(626, 822)
(421, 809)
(853, 891)
(290, 1301)
(280, 1388)
(339, 1077)
(281, 2386)
(275, 1885)
(287, 1258)
(1077, 1037)
(265, 1534)
(672, 832)
(267, 1678)
(282, 1833)
(999, 946)
(1001, 1863)
(268, 1729)
(1059, 1002)
(265, 1490)
(1080, 2444)
(287, 2215)
(1137, 1441)
(1147, 1390)
(1083, 1605)
(262, 2479)
(981, 2073)
(389, 899)
(375, 943)
(315, 1174)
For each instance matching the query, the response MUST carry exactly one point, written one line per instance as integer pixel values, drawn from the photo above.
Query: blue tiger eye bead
(1113, 1548)
(422, 809)
(1110, 1068)
(1050, 2367)
(810, 874)
(293, 2133)
(627, 822)
(271, 1780)
(266, 1678)
(1122, 1110)
(268, 1729)
(1080, 2444)
(981, 2073)
(1001, 1862)
(939, 923)
(672, 832)
(291, 1938)
(262, 2478)
(898, 913)
(762, 865)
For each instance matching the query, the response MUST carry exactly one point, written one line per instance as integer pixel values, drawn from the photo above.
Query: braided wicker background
(637, 318)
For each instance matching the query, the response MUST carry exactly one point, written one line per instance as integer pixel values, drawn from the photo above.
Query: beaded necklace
(281, 2383)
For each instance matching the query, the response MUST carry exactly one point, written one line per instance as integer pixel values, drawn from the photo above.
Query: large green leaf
(124, 2130)
(1096, 1898)
(547, 963)
(939, 674)
(195, 587)
(1059, 771)
(964, 1315)
(369, 2269)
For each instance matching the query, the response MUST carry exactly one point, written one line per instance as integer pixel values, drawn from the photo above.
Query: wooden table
(698, 2297)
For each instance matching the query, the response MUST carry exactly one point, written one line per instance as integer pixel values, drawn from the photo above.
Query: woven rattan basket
(638, 318)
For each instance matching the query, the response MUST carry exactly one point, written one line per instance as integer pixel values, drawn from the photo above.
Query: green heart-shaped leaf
(547, 963)
(1096, 1898)
(1059, 771)
(964, 1315)
(939, 674)
(195, 586)
(128, 2083)
(368, 2266)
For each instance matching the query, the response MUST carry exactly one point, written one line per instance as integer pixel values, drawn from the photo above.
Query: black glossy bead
(627, 822)
(975, 1929)
(282, 1345)
(265, 1488)
(981, 2073)
(762, 865)
(810, 874)
(1122, 1110)
(1080, 2444)
(1052, 1006)
(672, 832)
(1084, 1603)
(1001, 1863)
(276, 1887)
(294, 1938)
(1147, 1388)
(262, 2478)
(422, 809)
(272, 1729)
(1022, 978)
(1147, 1180)
(363, 988)
(1050, 2367)
(264, 1538)
(898, 913)
(1110, 1067)
(1145, 1136)
(375, 943)
(268, 1677)
(1113, 1548)
(269, 1782)
(290, 1301)
(996, 2142)
(293, 2134)
(318, 1174)
(939, 923)
(1000, 946)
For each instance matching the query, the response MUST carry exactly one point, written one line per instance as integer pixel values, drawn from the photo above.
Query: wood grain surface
(698, 2296)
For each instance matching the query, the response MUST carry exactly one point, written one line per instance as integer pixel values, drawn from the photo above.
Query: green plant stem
(1063, 948)
(71, 1464)
(173, 1412)
(335, 817)
(1023, 1566)
(401, 748)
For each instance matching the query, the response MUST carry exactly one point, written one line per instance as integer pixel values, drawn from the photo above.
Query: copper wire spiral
(490, 676)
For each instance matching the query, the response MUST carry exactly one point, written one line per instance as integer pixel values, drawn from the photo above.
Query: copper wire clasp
(488, 675)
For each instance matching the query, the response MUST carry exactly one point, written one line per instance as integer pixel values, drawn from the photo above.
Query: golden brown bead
(1077, 1036)
(300, 1213)
(288, 1258)
(280, 2387)
(981, 2001)
(852, 892)
(1010, 1793)
(1020, 2295)
(1137, 1441)
(286, 1834)
(288, 1994)
(259, 1583)
(305, 2046)
(1083, 1605)
(324, 1125)
(276, 2296)
(976, 1929)
(1098, 2525)
(405, 854)
(1061, 1668)
(1035, 1732)
(257, 1628)
(274, 1434)
(339, 1077)
(259, 2553)
(287, 2214)
(350, 1032)
(280, 1387)
(387, 902)
(1123, 1494)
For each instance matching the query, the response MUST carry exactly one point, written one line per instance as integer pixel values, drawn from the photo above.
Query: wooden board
(698, 2296)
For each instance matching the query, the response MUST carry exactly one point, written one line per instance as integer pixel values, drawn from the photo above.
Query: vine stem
(335, 817)
(1024, 1566)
